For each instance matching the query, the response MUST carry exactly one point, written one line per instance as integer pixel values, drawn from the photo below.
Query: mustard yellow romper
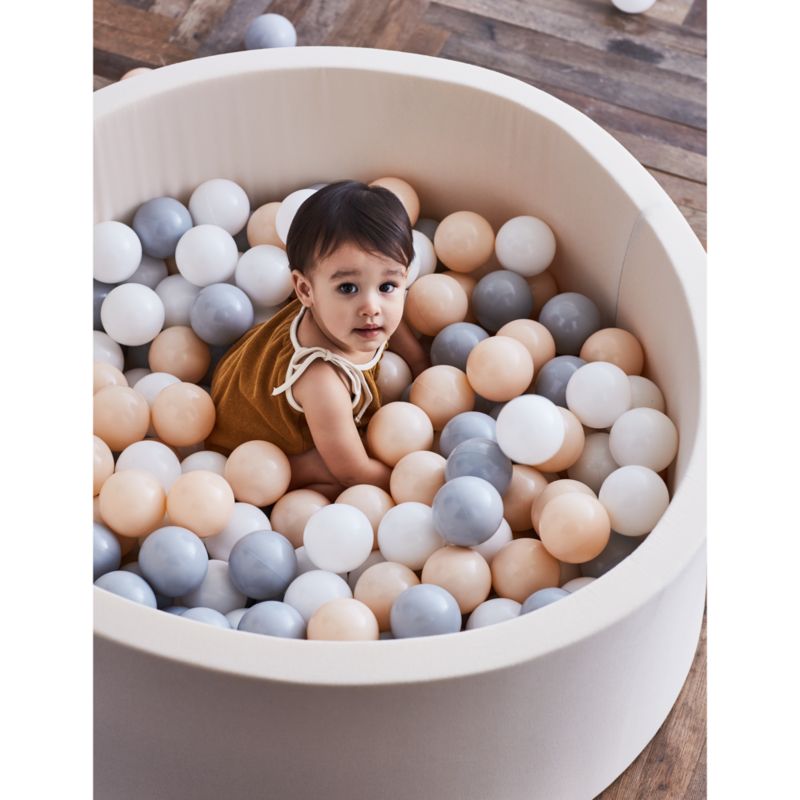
(252, 386)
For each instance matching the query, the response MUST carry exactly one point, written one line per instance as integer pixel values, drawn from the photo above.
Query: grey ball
(467, 511)
(618, 548)
(427, 226)
(453, 344)
(159, 223)
(424, 610)
(262, 564)
(481, 458)
(209, 616)
(129, 585)
(221, 313)
(107, 552)
(274, 618)
(571, 318)
(173, 560)
(162, 600)
(500, 297)
(176, 610)
(100, 290)
(542, 598)
(269, 30)
(466, 425)
(553, 377)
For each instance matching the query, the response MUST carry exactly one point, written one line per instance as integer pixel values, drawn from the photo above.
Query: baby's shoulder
(321, 380)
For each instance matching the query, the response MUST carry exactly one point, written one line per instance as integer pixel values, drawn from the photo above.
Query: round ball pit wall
(555, 704)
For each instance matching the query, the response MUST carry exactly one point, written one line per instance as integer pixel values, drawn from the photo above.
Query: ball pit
(622, 243)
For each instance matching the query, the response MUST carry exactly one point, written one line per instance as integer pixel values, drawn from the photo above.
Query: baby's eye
(388, 287)
(348, 288)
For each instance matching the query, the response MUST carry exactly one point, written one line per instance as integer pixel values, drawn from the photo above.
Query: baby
(306, 378)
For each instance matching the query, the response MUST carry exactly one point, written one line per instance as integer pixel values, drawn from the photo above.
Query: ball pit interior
(553, 704)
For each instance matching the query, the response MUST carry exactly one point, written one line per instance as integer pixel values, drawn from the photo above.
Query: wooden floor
(642, 77)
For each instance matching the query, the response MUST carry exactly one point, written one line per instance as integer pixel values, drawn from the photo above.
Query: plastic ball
(371, 500)
(208, 616)
(263, 273)
(543, 288)
(407, 535)
(380, 585)
(288, 208)
(433, 302)
(153, 457)
(151, 384)
(177, 296)
(417, 477)
(496, 542)
(200, 501)
(292, 511)
(618, 548)
(526, 485)
(574, 527)
(424, 610)
(553, 490)
(461, 571)
(205, 459)
(464, 241)
(393, 378)
(542, 598)
(150, 272)
(105, 374)
(258, 472)
(595, 463)
(307, 592)
(235, 617)
(103, 464)
(481, 458)
(244, 519)
(427, 226)
(121, 416)
(269, 30)
(499, 368)
(404, 192)
(216, 590)
(571, 318)
(220, 202)
(453, 344)
(501, 297)
(572, 448)
(490, 612)
(598, 393)
(181, 353)
(221, 314)
(523, 567)
(375, 557)
(128, 585)
(173, 560)
(99, 292)
(537, 340)
(577, 583)
(424, 261)
(525, 245)
(117, 251)
(442, 392)
(397, 429)
(467, 511)
(261, 226)
(633, 6)
(107, 554)
(206, 254)
(273, 618)
(263, 564)
(136, 374)
(183, 414)
(107, 350)
(530, 429)
(645, 394)
(159, 223)
(644, 436)
(468, 425)
(338, 537)
(635, 498)
(132, 73)
(343, 619)
(616, 346)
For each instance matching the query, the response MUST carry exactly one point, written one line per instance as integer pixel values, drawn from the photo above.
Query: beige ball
(201, 501)
(572, 447)
(442, 392)
(106, 374)
(464, 241)
(417, 477)
(179, 351)
(616, 346)
(291, 512)
(523, 567)
(132, 73)
(556, 489)
(183, 414)
(405, 193)
(259, 472)
(467, 283)
(574, 528)
(499, 368)
(433, 302)
(537, 339)
(397, 429)
(380, 585)
(393, 377)
(543, 288)
(373, 501)
(463, 572)
(103, 464)
(132, 503)
(261, 226)
(343, 619)
(527, 483)
(121, 416)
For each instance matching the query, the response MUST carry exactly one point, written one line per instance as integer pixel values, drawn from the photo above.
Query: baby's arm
(329, 414)
(407, 346)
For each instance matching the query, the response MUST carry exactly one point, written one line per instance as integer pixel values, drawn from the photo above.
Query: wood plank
(356, 25)
(698, 222)
(100, 82)
(170, 8)
(426, 40)
(227, 34)
(663, 157)
(143, 5)
(197, 22)
(674, 11)
(402, 17)
(313, 19)
(683, 193)
(113, 66)
(696, 19)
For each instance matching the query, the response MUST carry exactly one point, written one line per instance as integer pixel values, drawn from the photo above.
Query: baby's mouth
(369, 330)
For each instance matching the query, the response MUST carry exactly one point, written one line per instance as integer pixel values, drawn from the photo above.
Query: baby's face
(357, 298)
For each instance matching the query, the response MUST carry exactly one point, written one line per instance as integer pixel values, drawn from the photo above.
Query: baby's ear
(302, 286)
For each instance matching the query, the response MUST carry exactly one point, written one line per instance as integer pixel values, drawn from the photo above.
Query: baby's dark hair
(349, 212)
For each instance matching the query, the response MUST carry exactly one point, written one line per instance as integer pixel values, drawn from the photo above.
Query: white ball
(424, 261)
(117, 251)
(206, 254)
(263, 274)
(133, 376)
(577, 583)
(216, 591)
(307, 592)
(530, 429)
(245, 519)
(305, 564)
(495, 543)
(235, 616)
(645, 394)
(490, 612)
(635, 498)
(375, 557)
(150, 272)
(178, 296)
(595, 462)
(207, 460)
(525, 245)
(149, 386)
(633, 6)
(220, 202)
(598, 393)
(644, 436)
(287, 210)
(406, 534)
(132, 314)
(153, 457)
(107, 350)
(338, 537)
